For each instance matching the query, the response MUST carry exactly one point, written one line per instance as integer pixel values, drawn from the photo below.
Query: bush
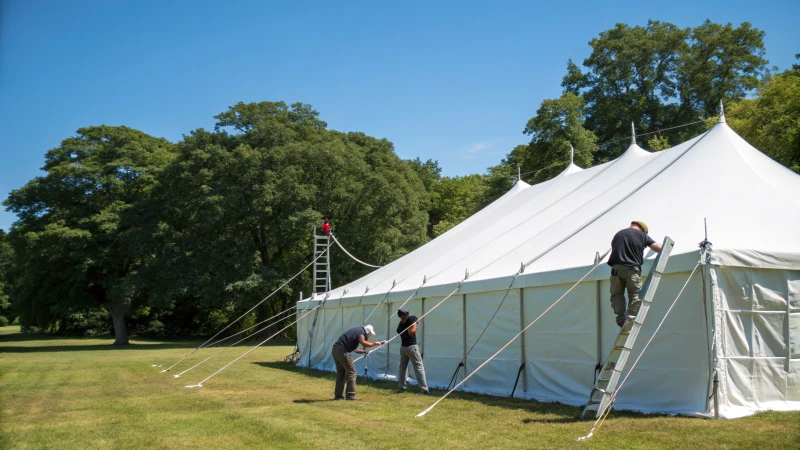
(3, 321)
(92, 323)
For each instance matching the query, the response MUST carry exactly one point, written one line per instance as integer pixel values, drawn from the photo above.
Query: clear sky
(451, 81)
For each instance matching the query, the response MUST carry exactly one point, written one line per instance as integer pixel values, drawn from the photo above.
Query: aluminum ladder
(608, 378)
(322, 266)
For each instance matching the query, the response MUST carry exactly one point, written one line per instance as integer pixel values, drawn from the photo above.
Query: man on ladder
(326, 227)
(627, 256)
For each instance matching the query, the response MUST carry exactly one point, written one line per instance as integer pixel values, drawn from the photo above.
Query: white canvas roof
(751, 202)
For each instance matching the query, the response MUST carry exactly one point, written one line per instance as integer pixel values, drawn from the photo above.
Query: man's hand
(656, 247)
(360, 351)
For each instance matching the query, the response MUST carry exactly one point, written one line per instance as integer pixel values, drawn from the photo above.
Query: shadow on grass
(48, 343)
(557, 412)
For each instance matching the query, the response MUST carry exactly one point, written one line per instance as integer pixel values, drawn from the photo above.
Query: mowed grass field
(86, 394)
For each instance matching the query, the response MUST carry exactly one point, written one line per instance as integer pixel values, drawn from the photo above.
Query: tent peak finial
(633, 134)
(721, 112)
(571, 154)
(519, 174)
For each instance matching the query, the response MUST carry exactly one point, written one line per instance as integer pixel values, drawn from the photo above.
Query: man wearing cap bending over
(627, 255)
(409, 351)
(345, 370)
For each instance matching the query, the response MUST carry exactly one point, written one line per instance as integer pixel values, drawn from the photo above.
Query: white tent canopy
(739, 317)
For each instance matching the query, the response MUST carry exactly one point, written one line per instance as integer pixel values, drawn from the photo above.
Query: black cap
(402, 312)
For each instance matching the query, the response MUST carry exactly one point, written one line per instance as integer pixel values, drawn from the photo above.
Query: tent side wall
(560, 351)
(757, 317)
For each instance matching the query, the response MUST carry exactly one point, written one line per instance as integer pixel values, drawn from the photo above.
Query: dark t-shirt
(627, 247)
(407, 339)
(349, 340)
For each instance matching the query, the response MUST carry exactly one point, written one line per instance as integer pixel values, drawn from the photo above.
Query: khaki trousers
(345, 372)
(411, 354)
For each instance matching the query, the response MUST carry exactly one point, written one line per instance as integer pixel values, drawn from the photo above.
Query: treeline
(128, 233)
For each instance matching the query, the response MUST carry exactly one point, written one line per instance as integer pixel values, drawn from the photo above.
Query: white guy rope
(250, 328)
(515, 337)
(385, 296)
(602, 417)
(350, 255)
(237, 342)
(249, 310)
(200, 384)
(418, 320)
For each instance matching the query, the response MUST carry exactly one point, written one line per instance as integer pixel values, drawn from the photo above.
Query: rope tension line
(350, 255)
(234, 344)
(418, 320)
(601, 419)
(250, 328)
(200, 384)
(597, 264)
(249, 310)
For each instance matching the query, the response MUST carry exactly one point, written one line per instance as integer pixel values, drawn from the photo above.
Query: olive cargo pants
(625, 278)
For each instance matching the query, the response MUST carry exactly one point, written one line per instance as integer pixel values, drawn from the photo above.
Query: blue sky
(451, 81)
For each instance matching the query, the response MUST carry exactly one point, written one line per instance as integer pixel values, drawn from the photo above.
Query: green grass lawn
(85, 393)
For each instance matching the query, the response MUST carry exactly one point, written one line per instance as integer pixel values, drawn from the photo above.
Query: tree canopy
(126, 231)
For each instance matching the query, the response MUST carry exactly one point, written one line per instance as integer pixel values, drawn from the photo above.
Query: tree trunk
(118, 309)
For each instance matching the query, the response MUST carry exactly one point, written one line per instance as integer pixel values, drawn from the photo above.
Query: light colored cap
(370, 331)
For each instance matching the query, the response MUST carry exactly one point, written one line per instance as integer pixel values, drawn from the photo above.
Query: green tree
(556, 127)
(771, 120)
(658, 143)
(6, 258)
(71, 242)
(234, 212)
(660, 76)
(454, 199)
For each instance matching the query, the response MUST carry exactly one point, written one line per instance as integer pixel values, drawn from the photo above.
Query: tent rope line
(200, 384)
(601, 419)
(250, 328)
(250, 310)
(418, 321)
(595, 266)
(350, 255)
(464, 360)
(235, 343)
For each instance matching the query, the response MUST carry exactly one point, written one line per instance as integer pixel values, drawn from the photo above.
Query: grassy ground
(84, 393)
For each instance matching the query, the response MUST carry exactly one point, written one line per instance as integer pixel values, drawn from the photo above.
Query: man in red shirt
(326, 227)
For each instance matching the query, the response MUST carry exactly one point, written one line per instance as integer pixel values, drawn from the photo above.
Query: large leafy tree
(661, 76)
(771, 120)
(556, 130)
(6, 257)
(71, 242)
(233, 214)
(453, 200)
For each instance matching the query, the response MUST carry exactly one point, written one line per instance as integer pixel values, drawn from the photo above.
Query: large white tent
(739, 316)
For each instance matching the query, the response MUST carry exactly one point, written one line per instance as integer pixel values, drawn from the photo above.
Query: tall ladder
(322, 266)
(607, 381)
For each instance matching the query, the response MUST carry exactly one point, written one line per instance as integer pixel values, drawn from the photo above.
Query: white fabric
(753, 209)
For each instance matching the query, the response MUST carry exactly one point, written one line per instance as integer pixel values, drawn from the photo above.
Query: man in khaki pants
(409, 352)
(627, 255)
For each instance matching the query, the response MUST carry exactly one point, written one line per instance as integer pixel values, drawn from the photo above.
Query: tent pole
(464, 323)
(522, 346)
(422, 344)
(599, 324)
